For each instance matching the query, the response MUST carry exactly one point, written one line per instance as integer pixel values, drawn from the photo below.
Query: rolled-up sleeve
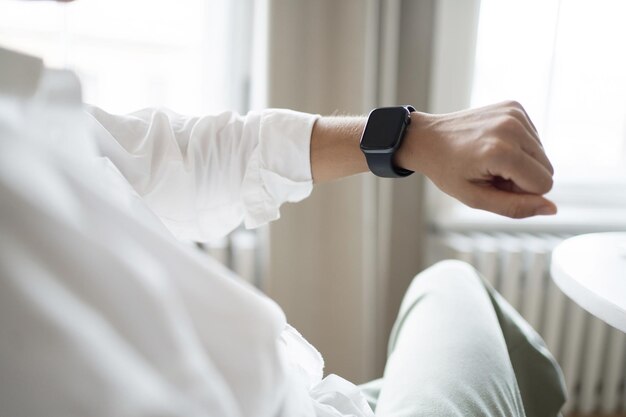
(279, 169)
(203, 176)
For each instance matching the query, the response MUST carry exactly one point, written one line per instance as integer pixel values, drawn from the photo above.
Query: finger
(517, 108)
(537, 153)
(514, 205)
(527, 117)
(531, 145)
(520, 112)
(520, 168)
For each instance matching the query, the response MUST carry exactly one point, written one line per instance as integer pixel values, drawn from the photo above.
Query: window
(188, 55)
(566, 62)
(192, 56)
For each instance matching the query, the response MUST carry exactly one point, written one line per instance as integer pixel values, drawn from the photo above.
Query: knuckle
(516, 114)
(549, 183)
(494, 149)
(510, 122)
(543, 184)
(514, 104)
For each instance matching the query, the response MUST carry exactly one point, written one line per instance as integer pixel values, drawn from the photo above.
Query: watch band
(381, 163)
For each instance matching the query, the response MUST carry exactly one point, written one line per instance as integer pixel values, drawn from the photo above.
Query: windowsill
(569, 219)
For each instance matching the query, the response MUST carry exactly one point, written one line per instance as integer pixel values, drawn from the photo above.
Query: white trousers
(459, 349)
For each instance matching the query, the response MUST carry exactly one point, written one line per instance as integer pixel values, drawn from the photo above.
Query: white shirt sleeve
(103, 314)
(204, 175)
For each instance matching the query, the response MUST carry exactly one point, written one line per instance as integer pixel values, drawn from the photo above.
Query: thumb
(511, 204)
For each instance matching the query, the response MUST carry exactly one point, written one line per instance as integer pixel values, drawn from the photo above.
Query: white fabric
(102, 311)
(203, 175)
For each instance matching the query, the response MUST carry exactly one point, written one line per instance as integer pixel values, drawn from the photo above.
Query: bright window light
(565, 61)
(139, 53)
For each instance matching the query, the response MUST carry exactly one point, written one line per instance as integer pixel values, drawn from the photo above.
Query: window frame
(57, 33)
(602, 206)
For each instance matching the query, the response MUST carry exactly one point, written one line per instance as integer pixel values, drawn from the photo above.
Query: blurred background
(339, 262)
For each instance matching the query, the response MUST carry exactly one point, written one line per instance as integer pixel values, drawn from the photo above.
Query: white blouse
(102, 311)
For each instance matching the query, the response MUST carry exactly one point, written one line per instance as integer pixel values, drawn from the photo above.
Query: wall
(331, 268)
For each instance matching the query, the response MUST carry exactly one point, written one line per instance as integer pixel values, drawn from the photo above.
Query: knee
(449, 269)
(452, 267)
(448, 274)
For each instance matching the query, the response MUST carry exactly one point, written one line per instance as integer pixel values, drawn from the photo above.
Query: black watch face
(384, 128)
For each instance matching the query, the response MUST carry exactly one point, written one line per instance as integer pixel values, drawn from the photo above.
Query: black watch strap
(381, 165)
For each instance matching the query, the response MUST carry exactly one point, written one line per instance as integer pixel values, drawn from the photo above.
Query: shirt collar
(19, 73)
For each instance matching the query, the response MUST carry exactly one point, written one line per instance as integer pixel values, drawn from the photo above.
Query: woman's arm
(489, 158)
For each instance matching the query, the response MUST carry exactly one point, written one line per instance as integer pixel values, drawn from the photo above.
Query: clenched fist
(489, 158)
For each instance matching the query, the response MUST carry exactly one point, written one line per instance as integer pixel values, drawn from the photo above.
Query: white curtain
(341, 260)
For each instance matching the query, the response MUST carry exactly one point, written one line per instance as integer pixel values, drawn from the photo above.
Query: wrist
(382, 138)
(414, 152)
(335, 149)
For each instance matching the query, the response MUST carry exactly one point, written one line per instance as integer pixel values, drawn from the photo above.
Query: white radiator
(591, 354)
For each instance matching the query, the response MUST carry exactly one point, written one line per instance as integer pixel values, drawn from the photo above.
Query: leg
(451, 353)
(538, 375)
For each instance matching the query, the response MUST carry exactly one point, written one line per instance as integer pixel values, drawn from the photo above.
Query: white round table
(591, 270)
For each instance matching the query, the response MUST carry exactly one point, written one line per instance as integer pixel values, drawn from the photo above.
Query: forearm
(335, 151)
(489, 158)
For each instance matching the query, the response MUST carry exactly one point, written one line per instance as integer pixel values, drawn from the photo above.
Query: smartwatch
(382, 137)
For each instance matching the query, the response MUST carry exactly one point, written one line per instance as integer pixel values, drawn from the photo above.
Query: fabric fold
(279, 169)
